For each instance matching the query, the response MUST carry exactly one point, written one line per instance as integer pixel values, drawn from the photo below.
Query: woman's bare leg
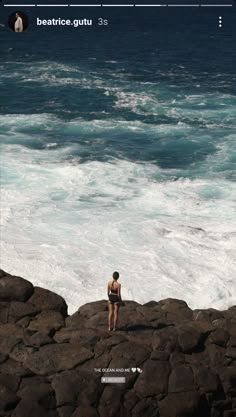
(116, 309)
(110, 313)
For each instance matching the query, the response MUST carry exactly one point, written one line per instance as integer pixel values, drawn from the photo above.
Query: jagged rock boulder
(48, 300)
(14, 288)
(176, 362)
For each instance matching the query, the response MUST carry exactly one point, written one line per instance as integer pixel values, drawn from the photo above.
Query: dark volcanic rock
(65, 386)
(14, 288)
(30, 408)
(51, 364)
(54, 358)
(18, 310)
(85, 411)
(42, 393)
(8, 399)
(37, 339)
(10, 335)
(146, 384)
(48, 300)
(46, 321)
(219, 337)
(10, 381)
(181, 404)
(181, 379)
(189, 338)
(206, 379)
(175, 309)
(2, 273)
(4, 308)
(165, 339)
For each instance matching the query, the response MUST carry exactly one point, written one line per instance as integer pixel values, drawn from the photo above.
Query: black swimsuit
(113, 296)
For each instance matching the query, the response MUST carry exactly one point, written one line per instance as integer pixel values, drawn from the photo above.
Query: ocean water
(117, 150)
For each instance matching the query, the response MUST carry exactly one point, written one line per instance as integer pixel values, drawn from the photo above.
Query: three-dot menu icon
(220, 22)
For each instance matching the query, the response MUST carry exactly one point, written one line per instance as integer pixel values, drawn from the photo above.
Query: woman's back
(113, 286)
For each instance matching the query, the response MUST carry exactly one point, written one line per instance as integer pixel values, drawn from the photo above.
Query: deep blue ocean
(118, 153)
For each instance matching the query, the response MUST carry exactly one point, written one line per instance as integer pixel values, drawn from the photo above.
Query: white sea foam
(68, 227)
(14, 124)
(51, 145)
(137, 102)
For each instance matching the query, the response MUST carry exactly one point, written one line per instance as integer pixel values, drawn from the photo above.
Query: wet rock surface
(48, 359)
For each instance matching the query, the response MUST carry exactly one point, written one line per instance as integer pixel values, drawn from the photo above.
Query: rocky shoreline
(48, 359)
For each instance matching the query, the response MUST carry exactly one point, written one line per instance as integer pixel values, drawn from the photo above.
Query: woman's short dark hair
(115, 275)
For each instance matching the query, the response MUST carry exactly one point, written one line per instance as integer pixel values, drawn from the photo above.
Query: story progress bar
(118, 5)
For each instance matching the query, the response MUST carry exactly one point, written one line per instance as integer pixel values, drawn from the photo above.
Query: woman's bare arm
(119, 291)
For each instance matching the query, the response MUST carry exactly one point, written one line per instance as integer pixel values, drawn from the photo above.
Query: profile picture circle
(18, 21)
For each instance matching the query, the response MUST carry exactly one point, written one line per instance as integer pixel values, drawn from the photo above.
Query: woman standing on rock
(114, 295)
